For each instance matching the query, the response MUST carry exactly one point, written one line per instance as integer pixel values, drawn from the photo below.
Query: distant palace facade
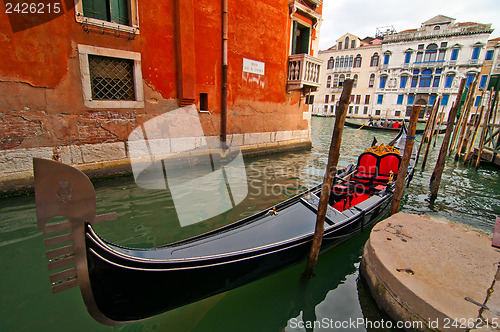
(412, 67)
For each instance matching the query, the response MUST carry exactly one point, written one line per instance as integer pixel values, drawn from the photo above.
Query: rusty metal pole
(403, 168)
(438, 169)
(223, 120)
(331, 167)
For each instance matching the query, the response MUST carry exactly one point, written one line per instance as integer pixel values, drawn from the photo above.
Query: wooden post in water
(468, 154)
(425, 136)
(483, 133)
(438, 169)
(403, 168)
(331, 167)
(441, 118)
(428, 147)
(466, 111)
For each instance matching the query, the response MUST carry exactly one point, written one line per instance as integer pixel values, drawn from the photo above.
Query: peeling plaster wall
(41, 99)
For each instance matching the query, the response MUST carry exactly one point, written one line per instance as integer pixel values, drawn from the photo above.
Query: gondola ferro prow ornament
(64, 191)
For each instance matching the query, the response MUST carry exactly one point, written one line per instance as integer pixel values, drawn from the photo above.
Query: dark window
(449, 80)
(326, 99)
(454, 54)
(444, 100)
(407, 57)
(111, 78)
(482, 82)
(357, 61)
(372, 81)
(374, 60)
(204, 102)
(328, 81)
(330, 63)
(383, 80)
(402, 84)
(109, 10)
(300, 42)
(489, 55)
(475, 53)
(430, 53)
(425, 79)
(367, 99)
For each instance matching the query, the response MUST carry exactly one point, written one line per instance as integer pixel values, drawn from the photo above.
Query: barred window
(111, 78)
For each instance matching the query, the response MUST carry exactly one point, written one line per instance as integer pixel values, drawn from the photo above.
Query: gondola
(122, 285)
(376, 128)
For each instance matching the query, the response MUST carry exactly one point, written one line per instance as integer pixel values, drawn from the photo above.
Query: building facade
(350, 58)
(418, 66)
(78, 78)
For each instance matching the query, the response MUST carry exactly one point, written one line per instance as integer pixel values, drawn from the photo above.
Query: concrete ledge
(106, 159)
(421, 269)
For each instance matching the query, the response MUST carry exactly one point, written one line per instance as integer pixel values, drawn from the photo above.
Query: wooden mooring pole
(483, 132)
(466, 111)
(431, 134)
(331, 168)
(403, 168)
(438, 169)
(425, 136)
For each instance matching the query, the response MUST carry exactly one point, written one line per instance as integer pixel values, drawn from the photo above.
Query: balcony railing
(303, 71)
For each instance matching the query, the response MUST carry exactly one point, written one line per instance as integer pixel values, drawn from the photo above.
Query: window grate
(111, 78)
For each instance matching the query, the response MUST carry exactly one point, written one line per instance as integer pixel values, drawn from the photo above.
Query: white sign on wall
(254, 67)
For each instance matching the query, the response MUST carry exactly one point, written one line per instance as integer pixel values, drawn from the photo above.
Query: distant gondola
(120, 285)
(368, 127)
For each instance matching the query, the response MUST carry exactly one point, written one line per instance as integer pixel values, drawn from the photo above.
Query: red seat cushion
(389, 162)
(367, 163)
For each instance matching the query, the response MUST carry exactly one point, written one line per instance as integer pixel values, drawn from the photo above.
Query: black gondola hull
(127, 290)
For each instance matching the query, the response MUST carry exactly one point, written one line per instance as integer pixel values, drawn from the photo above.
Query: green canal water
(335, 297)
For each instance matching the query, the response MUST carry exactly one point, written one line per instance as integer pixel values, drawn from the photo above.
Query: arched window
(425, 79)
(329, 81)
(350, 60)
(337, 59)
(403, 81)
(374, 60)
(431, 53)
(407, 56)
(346, 44)
(330, 63)
(355, 79)
(371, 83)
(357, 61)
(383, 80)
(341, 61)
(449, 80)
(341, 80)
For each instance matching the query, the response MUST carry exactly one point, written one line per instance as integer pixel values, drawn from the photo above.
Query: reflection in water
(147, 218)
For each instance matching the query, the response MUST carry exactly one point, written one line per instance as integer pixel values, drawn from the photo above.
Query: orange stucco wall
(41, 101)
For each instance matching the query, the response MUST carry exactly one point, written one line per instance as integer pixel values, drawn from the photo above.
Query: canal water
(334, 299)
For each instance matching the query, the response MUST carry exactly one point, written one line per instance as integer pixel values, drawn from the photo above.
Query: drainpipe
(223, 122)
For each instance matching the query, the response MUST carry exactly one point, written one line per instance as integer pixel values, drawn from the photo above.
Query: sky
(363, 17)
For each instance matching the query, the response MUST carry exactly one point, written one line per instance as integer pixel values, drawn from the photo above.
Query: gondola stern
(64, 191)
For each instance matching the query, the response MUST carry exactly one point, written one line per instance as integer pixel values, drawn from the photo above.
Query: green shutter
(119, 11)
(294, 36)
(96, 9)
(494, 83)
